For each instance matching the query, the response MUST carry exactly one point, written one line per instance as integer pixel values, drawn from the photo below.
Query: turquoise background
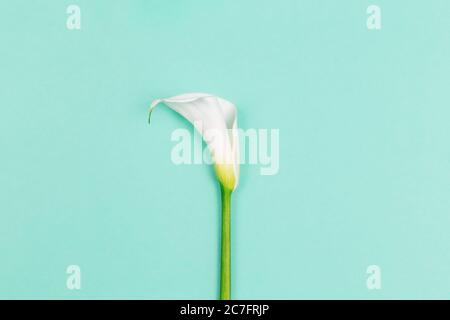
(364, 148)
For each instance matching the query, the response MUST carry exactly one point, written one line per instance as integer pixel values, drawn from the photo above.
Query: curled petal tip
(149, 115)
(153, 106)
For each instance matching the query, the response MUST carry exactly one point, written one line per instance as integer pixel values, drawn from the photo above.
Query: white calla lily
(215, 119)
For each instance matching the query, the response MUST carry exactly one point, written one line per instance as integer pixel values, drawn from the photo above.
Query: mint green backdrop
(364, 148)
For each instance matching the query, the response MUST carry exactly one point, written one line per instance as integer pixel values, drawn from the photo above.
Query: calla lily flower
(216, 120)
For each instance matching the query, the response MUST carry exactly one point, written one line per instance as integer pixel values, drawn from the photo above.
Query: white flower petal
(216, 120)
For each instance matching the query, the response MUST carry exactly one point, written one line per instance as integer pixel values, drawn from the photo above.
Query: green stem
(225, 260)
